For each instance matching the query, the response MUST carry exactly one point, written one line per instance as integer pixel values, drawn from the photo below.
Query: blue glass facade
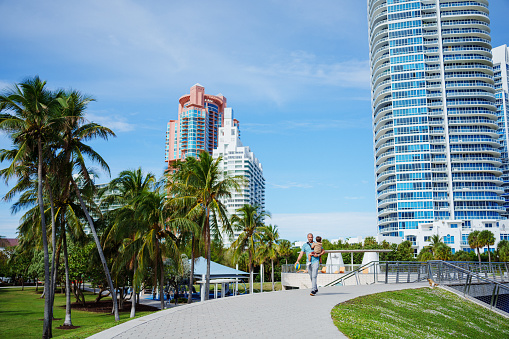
(436, 144)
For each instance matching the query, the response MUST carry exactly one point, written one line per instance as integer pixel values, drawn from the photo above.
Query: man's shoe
(312, 293)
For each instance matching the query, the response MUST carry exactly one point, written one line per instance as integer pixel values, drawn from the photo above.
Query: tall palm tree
(156, 238)
(199, 188)
(76, 130)
(28, 116)
(269, 246)
(474, 242)
(486, 238)
(123, 192)
(249, 221)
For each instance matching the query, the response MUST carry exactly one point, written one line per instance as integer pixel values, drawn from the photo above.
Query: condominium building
(199, 117)
(435, 128)
(238, 160)
(501, 71)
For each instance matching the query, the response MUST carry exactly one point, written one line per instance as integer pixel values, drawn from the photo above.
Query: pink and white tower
(199, 117)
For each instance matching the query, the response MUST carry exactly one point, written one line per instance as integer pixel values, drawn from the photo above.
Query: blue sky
(295, 72)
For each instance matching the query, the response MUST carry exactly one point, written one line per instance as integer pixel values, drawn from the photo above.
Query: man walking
(311, 266)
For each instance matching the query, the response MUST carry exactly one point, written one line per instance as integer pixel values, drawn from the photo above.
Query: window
(454, 225)
(449, 239)
(488, 225)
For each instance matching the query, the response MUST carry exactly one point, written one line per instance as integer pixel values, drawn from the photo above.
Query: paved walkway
(281, 314)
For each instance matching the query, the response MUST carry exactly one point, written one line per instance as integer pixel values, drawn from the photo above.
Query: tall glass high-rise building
(436, 145)
(501, 76)
(199, 117)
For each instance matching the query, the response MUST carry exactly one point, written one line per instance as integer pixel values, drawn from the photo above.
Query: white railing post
(261, 278)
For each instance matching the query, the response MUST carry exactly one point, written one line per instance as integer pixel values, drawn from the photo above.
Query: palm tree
(76, 130)
(156, 236)
(30, 120)
(249, 221)
(269, 246)
(285, 249)
(124, 192)
(199, 189)
(486, 238)
(474, 242)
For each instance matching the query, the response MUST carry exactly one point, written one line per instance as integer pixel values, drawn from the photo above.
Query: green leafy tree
(442, 252)
(503, 250)
(425, 254)
(461, 256)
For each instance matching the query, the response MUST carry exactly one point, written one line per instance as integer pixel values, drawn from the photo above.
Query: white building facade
(239, 160)
(501, 72)
(435, 122)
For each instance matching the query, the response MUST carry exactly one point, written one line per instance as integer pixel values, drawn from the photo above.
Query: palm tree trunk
(67, 321)
(489, 254)
(99, 249)
(478, 254)
(161, 284)
(272, 273)
(191, 274)
(46, 329)
(207, 276)
(53, 263)
(251, 280)
(161, 296)
(133, 298)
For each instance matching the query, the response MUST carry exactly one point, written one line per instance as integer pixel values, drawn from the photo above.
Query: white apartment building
(239, 160)
(437, 119)
(500, 75)
(455, 233)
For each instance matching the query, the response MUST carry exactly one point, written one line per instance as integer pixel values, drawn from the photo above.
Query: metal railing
(329, 269)
(385, 272)
(484, 282)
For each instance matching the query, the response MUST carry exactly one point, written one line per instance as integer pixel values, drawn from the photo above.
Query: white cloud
(115, 122)
(306, 125)
(291, 185)
(305, 67)
(328, 225)
(147, 49)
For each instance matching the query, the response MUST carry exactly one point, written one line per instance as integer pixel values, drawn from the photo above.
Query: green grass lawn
(20, 312)
(419, 313)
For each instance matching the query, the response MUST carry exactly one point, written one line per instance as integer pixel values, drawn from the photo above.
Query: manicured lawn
(20, 312)
(419, 313)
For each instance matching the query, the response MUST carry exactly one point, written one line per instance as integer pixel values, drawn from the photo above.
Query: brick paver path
(282, 314)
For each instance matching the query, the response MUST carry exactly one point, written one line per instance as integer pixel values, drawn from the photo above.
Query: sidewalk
(283, 314)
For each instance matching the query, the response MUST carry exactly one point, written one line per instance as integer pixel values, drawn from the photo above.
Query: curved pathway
(281, 314)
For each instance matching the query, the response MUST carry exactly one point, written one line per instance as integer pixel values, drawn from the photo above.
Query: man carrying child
(313, 252)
